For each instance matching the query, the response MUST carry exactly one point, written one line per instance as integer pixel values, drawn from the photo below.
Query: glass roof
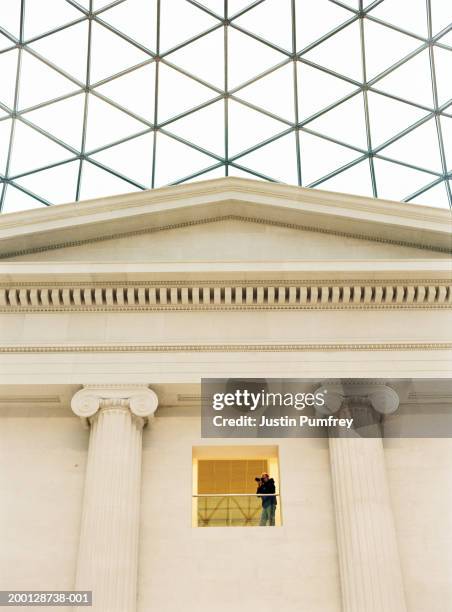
(99, 97)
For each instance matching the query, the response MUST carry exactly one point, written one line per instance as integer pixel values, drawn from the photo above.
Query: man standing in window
(266, 491)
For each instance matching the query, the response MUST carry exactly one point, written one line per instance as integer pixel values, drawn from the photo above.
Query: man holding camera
(266, 491)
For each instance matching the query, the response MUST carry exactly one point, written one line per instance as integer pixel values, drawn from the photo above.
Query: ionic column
(107, 561)
(371, 578)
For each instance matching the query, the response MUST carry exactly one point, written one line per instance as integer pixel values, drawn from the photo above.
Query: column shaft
(370, 571)
(108, 550)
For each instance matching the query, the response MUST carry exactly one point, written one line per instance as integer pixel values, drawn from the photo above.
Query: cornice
(226, 348)
(356, 216)
(224, 295)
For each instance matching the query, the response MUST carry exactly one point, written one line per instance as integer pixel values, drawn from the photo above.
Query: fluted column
(107, 561)
(371, 578)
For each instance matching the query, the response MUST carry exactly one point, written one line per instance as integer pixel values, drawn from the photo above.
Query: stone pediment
(228, 239)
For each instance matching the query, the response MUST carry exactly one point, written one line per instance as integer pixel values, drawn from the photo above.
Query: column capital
(375, 394)
(139, 399)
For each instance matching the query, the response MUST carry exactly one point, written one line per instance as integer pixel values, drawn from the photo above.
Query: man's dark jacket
(267, 487)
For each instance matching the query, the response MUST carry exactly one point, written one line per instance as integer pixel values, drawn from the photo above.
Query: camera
(257, 479)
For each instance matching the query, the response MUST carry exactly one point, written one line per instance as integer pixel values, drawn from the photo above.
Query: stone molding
(225, 348)
(140, 400)
(224, 295)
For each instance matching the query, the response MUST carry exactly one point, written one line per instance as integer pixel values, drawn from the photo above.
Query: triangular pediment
(227, 239)
(227, 219)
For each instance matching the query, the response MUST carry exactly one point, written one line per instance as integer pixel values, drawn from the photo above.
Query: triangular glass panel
(234, 6)
(192, 58)
(276, 160)
(57, 184)
(218, 7)
(132, 158)
(441, 15)
(396, 182)
(8, 72)
(248, 57)
(179, 93)
(270, 20)
(248, 127)
(39, 83)
(418, 148)
(446, 132)
(410, 15)
(33, 150)
(443, 71)
(107, 124)
(318, 89)
(5, 135)
(97, 183)
(446, 38)
(66, 49)
(340, 53)
(105, 64)
(233, 171)
(5, 42)
(355, 180)
(10, 16)
(384, 47)
(410, 81)
(207, 176)
(40, 19)
(134, 91)
(388, 117)
(345, 122)
(137, 19)
(175, 161)
(204, 128)
(62, 119)
(190, 22)
(320, 157)
(16, 201)
(274, 92)
(315, 19)
(435, 196)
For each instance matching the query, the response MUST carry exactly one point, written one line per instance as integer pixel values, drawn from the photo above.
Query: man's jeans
(268, 515)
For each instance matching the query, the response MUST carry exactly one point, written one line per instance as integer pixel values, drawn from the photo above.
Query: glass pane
(64, 119)
(132, 158)
(111, 54)
(385, 47)
(10, 16)
(43, 17)
(57, 184)
(318, 89)
(396, 182)
(446, 132)
(204, 128)
(97, 183)
(411, 81)
(315, 19)
(67, 49)
(340, 53)
(179, 93)
(355, 180)
(419, 147)
(175, 160)
(15, 201)
(271, 20)
(39, 83)
(274, 92)
(345, 122)
(137, 19)
(8, 71)
(389, 117)
(190, 21)
(5, 134)
(436, 196)
(33, 150)
(319, 157)
(276, 160)
(248, 127)
(409, 15)
(106, 124)
(443, 72)
(134, 91)
(441, 15)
